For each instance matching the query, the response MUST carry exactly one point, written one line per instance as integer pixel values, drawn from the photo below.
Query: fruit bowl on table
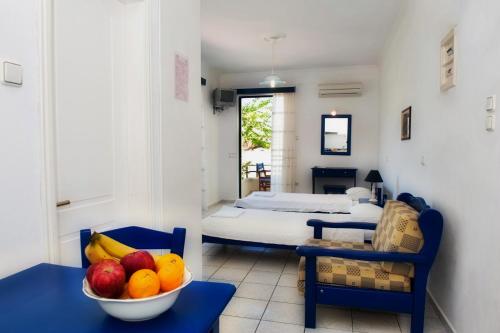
(138, 309)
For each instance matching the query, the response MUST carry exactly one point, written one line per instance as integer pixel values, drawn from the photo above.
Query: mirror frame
(349, 129)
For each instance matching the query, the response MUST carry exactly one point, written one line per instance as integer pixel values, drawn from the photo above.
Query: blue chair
(264, 177)
(411, 300)
(139, 238)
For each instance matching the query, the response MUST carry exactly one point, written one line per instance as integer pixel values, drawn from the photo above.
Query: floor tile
(208, 271)
(263, 277)
(234, 283)
(374, 322)
(431, 325)
(269, 265)
(288, 280)
(325, 330)
(285, 313)
(430, 311)
(230, 324)
(231, 274)
(245, 307)
(213, 260)
(291, 267)
(333, 318)
(287, 295)
(238, 262)
(255, 291)
(274, 327)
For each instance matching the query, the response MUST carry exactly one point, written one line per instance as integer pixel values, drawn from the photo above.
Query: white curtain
(283, 143)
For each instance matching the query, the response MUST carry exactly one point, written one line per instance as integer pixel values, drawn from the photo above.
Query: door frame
(240, 97)
(152, 107)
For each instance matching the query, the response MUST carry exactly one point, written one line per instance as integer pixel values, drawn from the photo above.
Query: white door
(90, 140)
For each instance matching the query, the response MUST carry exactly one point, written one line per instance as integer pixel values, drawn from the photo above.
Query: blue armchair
(140, 238)
(380, 276)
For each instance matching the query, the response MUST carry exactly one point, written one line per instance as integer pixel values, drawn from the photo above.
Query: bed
(257, 227)
(299, 202)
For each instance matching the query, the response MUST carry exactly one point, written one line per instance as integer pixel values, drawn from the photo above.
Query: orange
(171, 276)
(143, 283)
(170, 258)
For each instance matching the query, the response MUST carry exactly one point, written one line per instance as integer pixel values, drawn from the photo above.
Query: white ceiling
(319, 32)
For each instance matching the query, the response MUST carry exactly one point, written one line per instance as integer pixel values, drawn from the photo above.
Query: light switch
(11, 73)
(490, 123)
(491, 103)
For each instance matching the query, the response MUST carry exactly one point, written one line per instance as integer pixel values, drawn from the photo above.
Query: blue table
(48, 298)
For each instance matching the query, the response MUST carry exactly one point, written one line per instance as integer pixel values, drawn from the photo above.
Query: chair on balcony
(390, 274)
(139, 238)
(264, 177)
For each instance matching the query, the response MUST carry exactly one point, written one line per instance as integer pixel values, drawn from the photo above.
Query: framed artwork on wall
(448, 61)
(406, 124)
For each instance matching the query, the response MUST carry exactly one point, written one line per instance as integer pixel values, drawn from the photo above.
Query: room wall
(22, 240)
(451, 160)
(181, 122)
(210, 132)
(309, 108)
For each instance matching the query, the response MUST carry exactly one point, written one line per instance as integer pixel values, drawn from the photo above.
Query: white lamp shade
(272, 81)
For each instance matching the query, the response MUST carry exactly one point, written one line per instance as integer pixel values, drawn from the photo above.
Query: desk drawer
(334, 173)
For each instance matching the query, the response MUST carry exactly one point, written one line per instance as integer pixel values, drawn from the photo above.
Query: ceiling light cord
(272, 56)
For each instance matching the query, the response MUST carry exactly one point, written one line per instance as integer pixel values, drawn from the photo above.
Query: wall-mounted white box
(11, 73)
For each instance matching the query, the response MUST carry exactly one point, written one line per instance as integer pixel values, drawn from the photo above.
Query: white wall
(210, 133)
(181, 123)
(309, 108)
(22, 241)
(461, 160)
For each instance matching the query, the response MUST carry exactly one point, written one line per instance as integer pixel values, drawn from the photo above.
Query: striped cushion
(352, 273)
(398, 231)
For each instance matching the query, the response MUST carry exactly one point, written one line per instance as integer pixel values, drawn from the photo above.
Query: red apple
(90, 272)
(108, 279)
(137, 260)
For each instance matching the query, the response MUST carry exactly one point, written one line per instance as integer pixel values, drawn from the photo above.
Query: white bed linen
(286, 228)
(297, 202)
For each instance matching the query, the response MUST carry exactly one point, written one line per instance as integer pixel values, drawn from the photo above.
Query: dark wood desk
(318, 172)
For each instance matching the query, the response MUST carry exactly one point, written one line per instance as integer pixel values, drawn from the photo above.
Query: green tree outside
(256, 125)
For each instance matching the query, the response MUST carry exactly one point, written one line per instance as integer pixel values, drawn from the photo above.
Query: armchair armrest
(320, 224)
(314, 251)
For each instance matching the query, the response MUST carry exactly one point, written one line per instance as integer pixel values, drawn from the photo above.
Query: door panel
(85, 120)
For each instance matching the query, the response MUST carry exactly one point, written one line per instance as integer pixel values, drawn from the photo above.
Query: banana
(95, 253)
(111, 246)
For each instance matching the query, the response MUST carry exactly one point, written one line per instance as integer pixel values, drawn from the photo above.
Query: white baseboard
(441, 314)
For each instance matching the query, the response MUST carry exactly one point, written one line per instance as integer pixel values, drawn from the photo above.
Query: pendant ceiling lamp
(273, 80)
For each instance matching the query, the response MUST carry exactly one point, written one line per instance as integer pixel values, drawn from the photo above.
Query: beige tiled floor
(267, 299)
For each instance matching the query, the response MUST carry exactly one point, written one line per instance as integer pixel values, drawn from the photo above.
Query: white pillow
(366, 212)
(356, 193)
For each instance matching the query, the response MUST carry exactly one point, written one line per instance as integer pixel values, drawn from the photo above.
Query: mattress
(297, 202)
(273, 227)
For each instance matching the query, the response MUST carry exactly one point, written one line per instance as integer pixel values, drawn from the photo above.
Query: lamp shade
(374, 177)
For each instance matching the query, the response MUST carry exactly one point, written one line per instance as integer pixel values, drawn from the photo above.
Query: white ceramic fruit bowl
(138, 309)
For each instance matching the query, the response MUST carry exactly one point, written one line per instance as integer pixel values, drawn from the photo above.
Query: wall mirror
(336, 135)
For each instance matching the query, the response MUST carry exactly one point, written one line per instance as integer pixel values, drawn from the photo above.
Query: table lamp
(373, 177)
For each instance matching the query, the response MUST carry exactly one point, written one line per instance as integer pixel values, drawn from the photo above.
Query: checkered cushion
(398, 231)
(352, 273)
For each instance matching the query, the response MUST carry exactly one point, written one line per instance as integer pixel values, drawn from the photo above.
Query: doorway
(255, 134)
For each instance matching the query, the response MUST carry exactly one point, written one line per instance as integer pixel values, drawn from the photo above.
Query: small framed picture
(406, 124)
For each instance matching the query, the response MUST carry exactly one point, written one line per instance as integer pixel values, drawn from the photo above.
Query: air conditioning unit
(340, 89)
